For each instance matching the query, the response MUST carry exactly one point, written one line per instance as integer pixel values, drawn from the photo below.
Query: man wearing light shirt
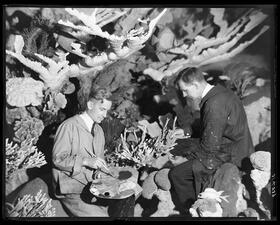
(78, 151)
(225, 137)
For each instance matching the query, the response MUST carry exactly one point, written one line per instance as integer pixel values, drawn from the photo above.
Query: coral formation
(24, 91)
(259, 119)
(22, 157)
(208, 204)
(32, 206)
(28, 128)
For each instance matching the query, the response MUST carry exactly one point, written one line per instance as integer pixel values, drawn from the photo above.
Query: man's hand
(179, 133)
(95, 163)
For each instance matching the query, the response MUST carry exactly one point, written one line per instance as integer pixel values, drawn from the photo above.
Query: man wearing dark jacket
(225, 136)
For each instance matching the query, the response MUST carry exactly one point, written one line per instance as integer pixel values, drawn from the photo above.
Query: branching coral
(144, 150)
(119, 46)
(56, 73)
(208, 204)
(22, 157)
(28, 128)
(205, 50)
(24, 91)
(31, 206)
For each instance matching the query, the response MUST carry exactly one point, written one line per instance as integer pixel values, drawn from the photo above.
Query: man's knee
(181, 172)
(79, 208)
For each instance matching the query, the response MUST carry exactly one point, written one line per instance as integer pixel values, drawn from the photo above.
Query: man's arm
(62, 156)
(214, 120)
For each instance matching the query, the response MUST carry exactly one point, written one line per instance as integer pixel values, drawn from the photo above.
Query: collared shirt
(207, 89)
(88, 121)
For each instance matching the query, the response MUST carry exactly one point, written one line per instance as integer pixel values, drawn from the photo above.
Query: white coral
(211, 193)
(24, 91)
(209, 198)
(259, 118)
(261, 160)
(204, 51)
(121, 46)
(53, 76)
(260, 178)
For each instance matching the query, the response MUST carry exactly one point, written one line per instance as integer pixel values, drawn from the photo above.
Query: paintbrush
(107, 172)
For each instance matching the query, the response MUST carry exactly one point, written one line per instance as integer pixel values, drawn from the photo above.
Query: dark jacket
(225, 132)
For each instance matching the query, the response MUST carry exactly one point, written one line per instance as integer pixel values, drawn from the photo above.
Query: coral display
(54, 56)
(32, 206)
(22, 157)
(24, 91)
(28, 128)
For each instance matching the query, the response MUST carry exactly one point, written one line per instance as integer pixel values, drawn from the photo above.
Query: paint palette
(119, 187)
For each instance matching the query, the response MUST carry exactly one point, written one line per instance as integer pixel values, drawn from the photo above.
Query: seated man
(225, 137)
(79, 150)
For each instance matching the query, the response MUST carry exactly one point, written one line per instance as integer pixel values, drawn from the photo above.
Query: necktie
(92, 129)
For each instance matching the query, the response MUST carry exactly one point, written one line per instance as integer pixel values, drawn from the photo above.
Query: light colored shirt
(207, 89)
(88, 121)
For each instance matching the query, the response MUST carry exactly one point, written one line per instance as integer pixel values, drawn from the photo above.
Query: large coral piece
(54, 75)
(261, 174)
(259, 119)
(203, 51)
(153, 143)
(24, 91)
(120, 46)
(22, 157)
(28, 128)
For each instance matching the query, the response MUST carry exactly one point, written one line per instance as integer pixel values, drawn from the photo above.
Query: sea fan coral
(31, 206)
(24, 91)
(28, 128)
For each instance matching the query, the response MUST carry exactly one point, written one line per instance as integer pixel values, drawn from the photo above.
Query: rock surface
(228, 179)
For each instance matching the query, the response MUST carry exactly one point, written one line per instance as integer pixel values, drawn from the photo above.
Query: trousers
(183, 185)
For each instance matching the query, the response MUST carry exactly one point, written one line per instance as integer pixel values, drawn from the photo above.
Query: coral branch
(120, 46)
(205, 51)
(23, 157)
(32, 206)
(54, 75)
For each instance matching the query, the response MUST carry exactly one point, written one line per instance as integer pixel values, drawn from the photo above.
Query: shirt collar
(207, 89)
(87, 119)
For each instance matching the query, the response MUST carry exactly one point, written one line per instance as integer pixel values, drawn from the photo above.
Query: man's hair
(189, 75)
(99, 93)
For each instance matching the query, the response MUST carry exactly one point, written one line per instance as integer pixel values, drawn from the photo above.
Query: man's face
(97, 109)
(190, 90)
